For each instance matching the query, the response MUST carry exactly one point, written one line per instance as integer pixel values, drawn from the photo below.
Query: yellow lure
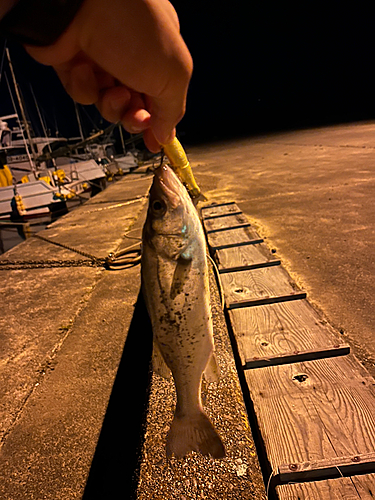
(180, 164)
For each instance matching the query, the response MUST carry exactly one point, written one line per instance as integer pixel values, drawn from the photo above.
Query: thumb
(163, 130)
(166, 111)
(168, 107)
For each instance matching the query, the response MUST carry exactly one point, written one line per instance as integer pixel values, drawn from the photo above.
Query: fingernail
(136, 130)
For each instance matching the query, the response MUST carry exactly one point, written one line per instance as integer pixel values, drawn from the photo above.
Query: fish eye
(158, 207)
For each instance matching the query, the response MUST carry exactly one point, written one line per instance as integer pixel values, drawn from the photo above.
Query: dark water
(13, 234)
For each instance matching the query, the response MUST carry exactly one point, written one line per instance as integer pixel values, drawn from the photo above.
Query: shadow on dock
(115, 467)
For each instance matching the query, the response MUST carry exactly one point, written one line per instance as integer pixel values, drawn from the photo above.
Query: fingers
(138, 69)
(121, 104)
(163, 127)
(83, 79)
(80, 82)
(113, 102)
(89, 84)
(135, 118)
(151, 142)
(144, 51)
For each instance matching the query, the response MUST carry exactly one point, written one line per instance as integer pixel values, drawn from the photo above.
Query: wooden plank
(326, 469)
(348, 488)
(353, 488)
(296, 357)
(234, 237)
(218, 216)
(331, 489)
(228, 228)
(236, 244)
(257, 285)
(310, 412)
(275, 329)
(219, 208)
(314, 410)
(221, 223)
(243, 255)
(365, 485)
(273, 299)
(215, 205)
(249, 267)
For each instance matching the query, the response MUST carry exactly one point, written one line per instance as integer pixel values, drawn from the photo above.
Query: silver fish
(176, 290)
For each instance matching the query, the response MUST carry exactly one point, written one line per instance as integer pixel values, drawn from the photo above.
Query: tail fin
(194, 434)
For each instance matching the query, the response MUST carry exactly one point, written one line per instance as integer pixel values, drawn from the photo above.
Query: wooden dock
(312, 402)
(81, 416)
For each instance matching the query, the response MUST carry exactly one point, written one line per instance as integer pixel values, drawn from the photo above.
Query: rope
(129, 258)
(218, 280)
(273, 474)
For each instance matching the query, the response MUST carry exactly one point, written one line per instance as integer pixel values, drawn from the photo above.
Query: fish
(175, 287)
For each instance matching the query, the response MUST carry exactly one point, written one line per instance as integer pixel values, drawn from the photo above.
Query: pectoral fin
(180, 276)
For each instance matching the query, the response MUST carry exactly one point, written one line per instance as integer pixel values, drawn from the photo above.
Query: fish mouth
(166, 186)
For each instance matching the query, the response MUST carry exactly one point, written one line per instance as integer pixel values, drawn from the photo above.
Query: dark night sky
(56, 107)
(265, 67)
(257, 68)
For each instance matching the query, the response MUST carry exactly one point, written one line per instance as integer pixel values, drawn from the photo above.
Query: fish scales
(176, 291)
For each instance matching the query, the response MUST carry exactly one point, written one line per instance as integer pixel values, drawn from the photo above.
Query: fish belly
(182, 328)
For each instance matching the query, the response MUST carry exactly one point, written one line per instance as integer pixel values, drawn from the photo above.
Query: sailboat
(31, 185)
(48, 171)
(22, 199)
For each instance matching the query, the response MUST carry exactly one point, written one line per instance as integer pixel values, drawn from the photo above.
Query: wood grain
(307, 412)
(219, 209)
(296, 357)
(221, 223)
(275, 329)
(365, 485)
(257, 284)
(332, 489)
(234, 236)
(348, 488)
(315, 410)
(217, 216)
(257, 254)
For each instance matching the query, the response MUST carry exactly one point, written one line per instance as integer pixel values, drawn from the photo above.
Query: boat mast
(79, 122)
(122, 138)
(27, 128)
(42, 123)
(19, 124)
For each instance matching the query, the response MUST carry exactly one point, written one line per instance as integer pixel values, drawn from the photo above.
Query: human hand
(128, 58)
